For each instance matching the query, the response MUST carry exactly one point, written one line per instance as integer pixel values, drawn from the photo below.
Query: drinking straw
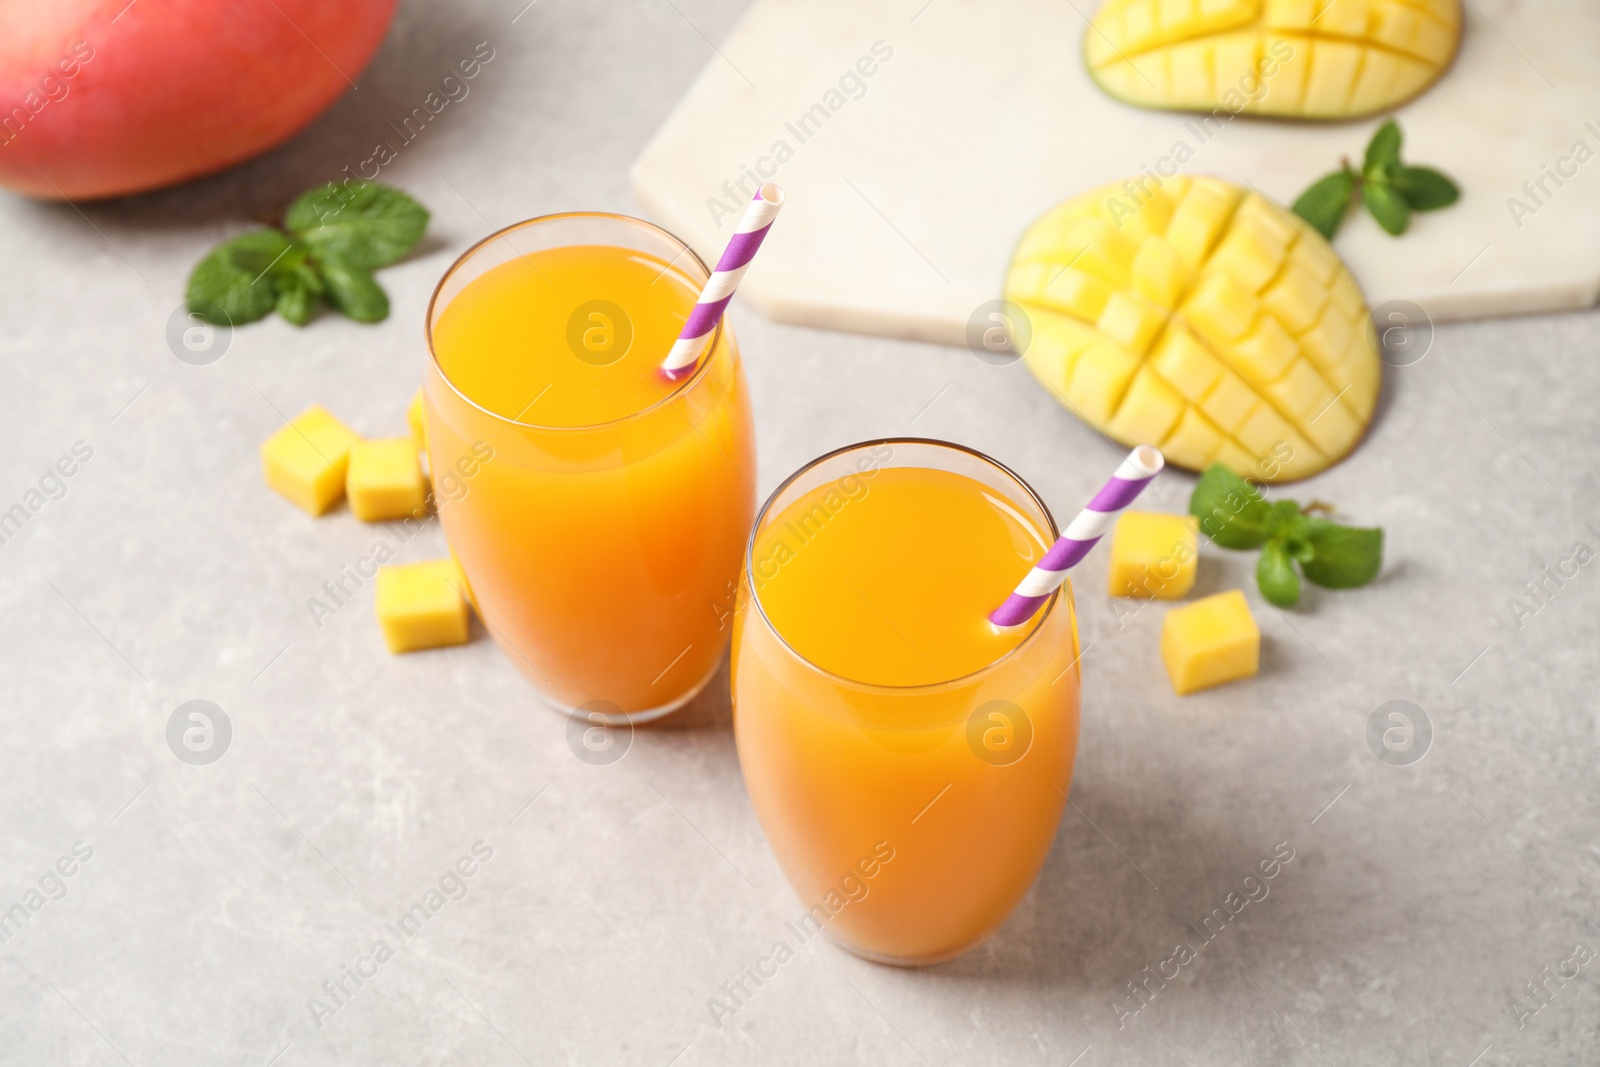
(1087, 527)
(707, 311)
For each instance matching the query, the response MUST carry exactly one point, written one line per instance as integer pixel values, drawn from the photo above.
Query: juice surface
(895, 588)
(569, 336)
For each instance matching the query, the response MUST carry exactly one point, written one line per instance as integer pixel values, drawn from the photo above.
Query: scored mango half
(1313, 59)
(1201, 317)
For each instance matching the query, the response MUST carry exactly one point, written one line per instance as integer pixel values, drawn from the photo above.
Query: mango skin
(1306, 59)
(1202, 318)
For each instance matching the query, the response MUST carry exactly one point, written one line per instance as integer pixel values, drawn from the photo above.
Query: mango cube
(385, 480)
(1154, 556)
(306, 460)
(422, 605)
(1210, 641)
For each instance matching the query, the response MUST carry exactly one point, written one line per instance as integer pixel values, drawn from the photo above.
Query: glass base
(637, 717)
(901, 961)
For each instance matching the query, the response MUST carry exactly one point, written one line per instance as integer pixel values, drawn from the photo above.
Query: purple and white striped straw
(707, 312)
(1086, 527)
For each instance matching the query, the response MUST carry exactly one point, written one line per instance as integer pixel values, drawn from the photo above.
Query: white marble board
(905, 202)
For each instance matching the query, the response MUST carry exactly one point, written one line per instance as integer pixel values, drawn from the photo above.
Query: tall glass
(910, 820)
(601, 557)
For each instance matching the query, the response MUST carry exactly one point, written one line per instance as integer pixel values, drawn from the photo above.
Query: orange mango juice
(878, 713)
(598, 510)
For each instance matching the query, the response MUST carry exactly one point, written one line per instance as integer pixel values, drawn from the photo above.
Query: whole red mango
(105, 97)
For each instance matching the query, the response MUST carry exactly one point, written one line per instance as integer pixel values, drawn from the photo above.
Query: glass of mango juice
(908, 761)
(598, 509)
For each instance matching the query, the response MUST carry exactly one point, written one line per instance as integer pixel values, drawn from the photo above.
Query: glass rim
(681, 388)
(1039, 617)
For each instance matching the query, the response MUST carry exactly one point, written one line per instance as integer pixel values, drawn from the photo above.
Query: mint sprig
(1390, 189)
(1234, 514)
(333, 237)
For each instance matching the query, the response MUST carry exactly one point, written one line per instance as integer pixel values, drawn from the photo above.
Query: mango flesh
(1210, 641)
(1202, 318)
(422, 605)
(1314, 59)
(1153, 556)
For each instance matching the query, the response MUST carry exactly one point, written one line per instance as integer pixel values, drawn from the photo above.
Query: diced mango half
(1228, 332)
(1317, 59)
(384, 480)
(1154, 556)
(306, 460)
(1209, 642)
(422, 605)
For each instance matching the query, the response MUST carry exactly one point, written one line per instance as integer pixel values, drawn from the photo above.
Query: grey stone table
(208, 905)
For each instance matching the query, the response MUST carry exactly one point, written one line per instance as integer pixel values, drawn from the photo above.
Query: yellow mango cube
(1186, 363)
(1230, 402)
(1075, 292)
(1159, 273)
(384, 480)
(1154, 556)
(1221, 309)
(1149, 410)
(306, 460)
(1334, 68)
(1194, 442)
(1211, 641)
(1296, 299)
(422, 605)
(1334, 429)
(419, 427)
(1301, 392)
(1102, 250)
(1099, 378)
(1057, 340)
(1131, 321)
(1265, 353)
(1249, 255)
(1197, 223)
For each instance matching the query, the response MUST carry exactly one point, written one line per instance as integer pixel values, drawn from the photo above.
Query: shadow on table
(1114, 895)
(712, 709)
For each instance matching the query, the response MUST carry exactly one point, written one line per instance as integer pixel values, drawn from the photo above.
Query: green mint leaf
(295, 300)
(235, 282)
(362, 223)
(1424, 188)
(1276, 577)
(1386, 206)
(1324, 204)
(353, 291)
(1230, 509)
(1283, 518)
(1345, 556)
(1383, 152)
(307, 276)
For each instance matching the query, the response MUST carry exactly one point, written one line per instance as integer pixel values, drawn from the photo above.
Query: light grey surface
(219, 898)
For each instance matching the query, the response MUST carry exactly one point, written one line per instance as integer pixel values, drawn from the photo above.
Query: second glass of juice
(598, 510)
(908, 762)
